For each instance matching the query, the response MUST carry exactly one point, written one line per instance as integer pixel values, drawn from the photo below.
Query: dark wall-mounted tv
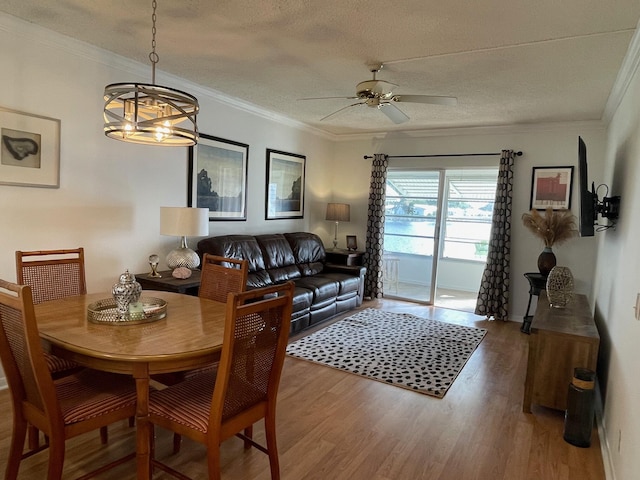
(588, 197)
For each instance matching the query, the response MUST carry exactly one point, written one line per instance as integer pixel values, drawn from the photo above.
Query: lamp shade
(184, 221)
(338, 212)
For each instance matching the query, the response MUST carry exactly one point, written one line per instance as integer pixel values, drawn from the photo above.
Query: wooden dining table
(190, 336)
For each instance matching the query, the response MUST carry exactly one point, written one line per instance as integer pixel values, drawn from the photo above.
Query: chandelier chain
(153, 56)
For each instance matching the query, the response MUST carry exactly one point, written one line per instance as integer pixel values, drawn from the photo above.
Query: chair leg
(272, 447)
(177, 442)
(104, 435)
(213, 461)
(34, 437)
(17, 444)
(248, 432)
(56, 459)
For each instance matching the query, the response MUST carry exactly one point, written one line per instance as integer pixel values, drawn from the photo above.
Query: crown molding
(629, 67)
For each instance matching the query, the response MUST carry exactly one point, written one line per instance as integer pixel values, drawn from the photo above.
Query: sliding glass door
(437, 226)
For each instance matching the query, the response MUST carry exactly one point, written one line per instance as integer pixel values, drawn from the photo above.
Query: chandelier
(148, 113)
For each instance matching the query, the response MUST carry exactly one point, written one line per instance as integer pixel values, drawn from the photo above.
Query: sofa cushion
(308, 251)
(323, 288)
(278, 257)
(242, 247)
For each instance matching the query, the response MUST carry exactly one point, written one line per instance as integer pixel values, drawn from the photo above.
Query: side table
(537, 283)
(167, 283)
(351, 258)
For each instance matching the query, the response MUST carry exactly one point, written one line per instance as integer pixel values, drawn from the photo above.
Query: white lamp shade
(184, 221)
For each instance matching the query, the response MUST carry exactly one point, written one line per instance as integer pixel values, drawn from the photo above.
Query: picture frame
(551, 187)
(218, 170)
(284, 191)
(352, 242)
(29, 149)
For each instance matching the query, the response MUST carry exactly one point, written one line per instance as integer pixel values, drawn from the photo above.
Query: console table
(167, 283)
(561, 339)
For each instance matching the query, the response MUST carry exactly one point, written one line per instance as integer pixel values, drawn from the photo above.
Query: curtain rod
(519, 154)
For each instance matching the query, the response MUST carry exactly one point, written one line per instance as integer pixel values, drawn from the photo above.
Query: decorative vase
(126, 292)
(560, 286)
(546, 261)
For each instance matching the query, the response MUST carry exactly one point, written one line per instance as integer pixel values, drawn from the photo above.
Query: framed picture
(551, 187)
(29, 150)
(285, 185)
(352, 242)
(218, 177)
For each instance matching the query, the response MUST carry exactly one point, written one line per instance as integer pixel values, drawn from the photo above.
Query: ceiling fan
(379, 94)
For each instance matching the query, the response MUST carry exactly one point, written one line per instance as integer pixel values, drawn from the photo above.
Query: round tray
(105, 312)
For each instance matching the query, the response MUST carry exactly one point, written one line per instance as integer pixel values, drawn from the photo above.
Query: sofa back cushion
(278, 257)
(243, 247)
(308, 251)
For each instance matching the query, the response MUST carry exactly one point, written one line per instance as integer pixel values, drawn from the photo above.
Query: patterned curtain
(375, 227)
(493, 297)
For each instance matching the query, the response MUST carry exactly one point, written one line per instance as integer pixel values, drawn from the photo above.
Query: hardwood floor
(334, 425)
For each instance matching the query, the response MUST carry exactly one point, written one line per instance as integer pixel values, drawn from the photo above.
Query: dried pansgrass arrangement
(554, 227)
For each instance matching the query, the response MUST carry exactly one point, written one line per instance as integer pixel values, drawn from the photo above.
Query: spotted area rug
(401, 349)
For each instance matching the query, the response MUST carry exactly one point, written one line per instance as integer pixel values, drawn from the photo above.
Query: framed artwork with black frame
(218, 177)
(29, 150)
(551, 187)
(285, 185)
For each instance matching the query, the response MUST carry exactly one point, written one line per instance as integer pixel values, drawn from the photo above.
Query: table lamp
(338, 212)
(184, 222)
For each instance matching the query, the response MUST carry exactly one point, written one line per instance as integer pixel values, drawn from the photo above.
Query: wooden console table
(561, 340)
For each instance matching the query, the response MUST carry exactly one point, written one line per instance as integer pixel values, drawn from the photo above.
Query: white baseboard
(609, 472)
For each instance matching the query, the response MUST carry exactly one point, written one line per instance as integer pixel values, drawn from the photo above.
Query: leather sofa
(322, 290)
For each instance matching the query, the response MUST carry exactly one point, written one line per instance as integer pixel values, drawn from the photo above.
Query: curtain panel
(493, 296)
(373, 287)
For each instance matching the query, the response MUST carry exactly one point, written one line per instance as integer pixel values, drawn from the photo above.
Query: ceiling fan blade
(432, 99)
(326, 98)
(394, 113)
(343, 108)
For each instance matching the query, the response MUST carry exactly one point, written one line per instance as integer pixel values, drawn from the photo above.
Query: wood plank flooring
(334, 425)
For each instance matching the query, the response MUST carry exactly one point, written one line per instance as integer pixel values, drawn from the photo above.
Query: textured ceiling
(507, 61)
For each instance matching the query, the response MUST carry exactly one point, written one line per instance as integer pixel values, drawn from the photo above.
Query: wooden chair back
(52, 274)
(221, 276)
(253, 352)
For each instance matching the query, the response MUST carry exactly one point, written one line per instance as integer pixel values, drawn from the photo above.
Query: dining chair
(221, 276)
(61, 408)
(227, 401)
(53, 274)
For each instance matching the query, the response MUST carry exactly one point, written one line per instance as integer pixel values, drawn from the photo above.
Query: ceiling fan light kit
(379, 94)
(150, 114)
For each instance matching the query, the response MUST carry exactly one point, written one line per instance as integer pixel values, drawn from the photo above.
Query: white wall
(542, 145)
(618, 283)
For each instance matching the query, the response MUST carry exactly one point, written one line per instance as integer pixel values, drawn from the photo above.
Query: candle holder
(153, 262)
